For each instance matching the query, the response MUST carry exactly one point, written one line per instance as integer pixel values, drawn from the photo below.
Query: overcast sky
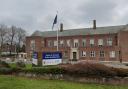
(39, 14)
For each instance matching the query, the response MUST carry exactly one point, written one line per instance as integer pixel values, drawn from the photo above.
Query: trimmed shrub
(80, 70)
(16, 70)
(44, 70)
(20, 64)
(4, 64)
(77, 70)
(5, 70)
(89, 69)
(121, 72)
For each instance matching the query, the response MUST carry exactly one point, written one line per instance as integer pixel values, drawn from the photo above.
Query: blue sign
(35, 58)
(52, 55)
(35, 55)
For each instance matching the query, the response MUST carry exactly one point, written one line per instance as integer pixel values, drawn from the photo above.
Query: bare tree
(3, 32)
(21, 34)
(11, 37)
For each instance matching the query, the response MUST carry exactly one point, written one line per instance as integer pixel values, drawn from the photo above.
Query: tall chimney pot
(94, 24)
(61, 27)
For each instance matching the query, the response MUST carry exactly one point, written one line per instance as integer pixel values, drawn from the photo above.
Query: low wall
(112, 81)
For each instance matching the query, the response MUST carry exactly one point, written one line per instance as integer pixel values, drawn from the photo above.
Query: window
(49, 43)
(68, 43)
(42, 43)
(61, 43)
(32, 44)
(76, 43)
(109, 41)
(102, 53)
(92, 54)
(91, 42)
(65, 54)
(100, 42)
(55, 43)
(83, 42)
(116, 40)
(83, 54)
(112, 54)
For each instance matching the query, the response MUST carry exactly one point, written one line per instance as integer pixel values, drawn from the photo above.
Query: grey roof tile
(82, 31)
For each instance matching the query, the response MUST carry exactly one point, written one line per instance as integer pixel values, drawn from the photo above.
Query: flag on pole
(55, 21)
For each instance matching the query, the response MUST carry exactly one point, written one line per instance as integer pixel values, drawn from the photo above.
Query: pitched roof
(82, 31)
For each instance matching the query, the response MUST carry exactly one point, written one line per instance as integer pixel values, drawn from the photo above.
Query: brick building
(97, 43)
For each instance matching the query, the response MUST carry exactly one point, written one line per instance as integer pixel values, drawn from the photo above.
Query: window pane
(83, 53)
(68, 43)
(112, 54)
(109, 41)
(49, 43)
(76, 43)
(83, 42)
(55, 43)
(32, 44)
(102, 53)
(61, 43)
(100, 42)
(92, 42)
(92, 54)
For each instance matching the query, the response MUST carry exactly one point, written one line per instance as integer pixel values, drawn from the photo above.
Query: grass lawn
(28, 66)
(11, 82)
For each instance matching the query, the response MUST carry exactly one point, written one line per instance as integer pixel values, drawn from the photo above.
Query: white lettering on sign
(51, 62)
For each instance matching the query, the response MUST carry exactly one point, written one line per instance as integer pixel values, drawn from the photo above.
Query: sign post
(51, 58)
(35, 58)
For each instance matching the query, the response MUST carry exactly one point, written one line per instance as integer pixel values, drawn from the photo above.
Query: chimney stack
(61, 27)
(94, 24)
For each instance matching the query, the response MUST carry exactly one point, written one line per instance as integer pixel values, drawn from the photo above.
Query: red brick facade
(118, 51)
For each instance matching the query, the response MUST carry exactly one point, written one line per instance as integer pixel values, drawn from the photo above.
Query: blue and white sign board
(35, 58)
(51, 58)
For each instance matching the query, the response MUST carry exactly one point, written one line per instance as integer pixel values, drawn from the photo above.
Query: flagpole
(55, 22)
(57, 40)
(57, 36)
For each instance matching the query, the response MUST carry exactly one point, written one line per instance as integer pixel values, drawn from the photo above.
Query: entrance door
(74, 56)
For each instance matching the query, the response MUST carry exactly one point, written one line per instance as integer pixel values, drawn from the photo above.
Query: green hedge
(44, 70)
(5, 70)
(78, 70)
(4, 64)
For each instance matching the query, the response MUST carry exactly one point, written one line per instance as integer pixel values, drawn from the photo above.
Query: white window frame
(100, 42)
(92, 54)
(76, 43)
(55, 42)
(32, 44)
(83, 42)
(68, 43)
(49, 43)
(109, 41)
(61, 42)
(92, 42)
(101, 54)
(83, 54)
(112, 54)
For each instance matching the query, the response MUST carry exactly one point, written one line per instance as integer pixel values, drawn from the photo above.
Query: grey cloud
(101, 10)
(39, 14)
